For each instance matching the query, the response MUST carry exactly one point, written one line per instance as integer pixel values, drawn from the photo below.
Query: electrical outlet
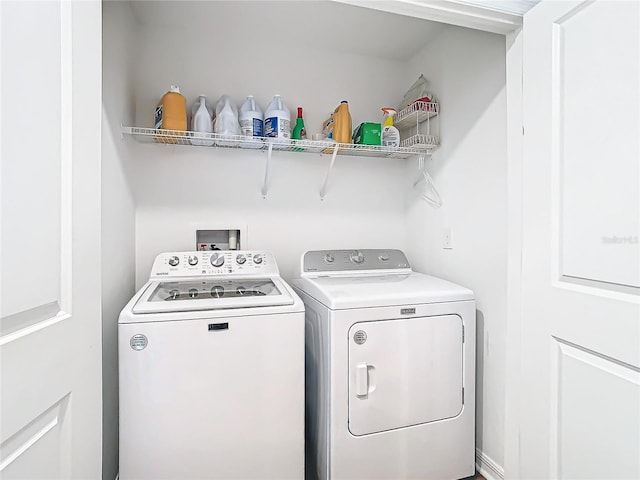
(447, 242)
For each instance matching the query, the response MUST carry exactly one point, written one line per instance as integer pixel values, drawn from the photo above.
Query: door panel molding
(25, 323)
(596, 288)
(611, 380)
(594, 229)
(50, 422)
(66, 157)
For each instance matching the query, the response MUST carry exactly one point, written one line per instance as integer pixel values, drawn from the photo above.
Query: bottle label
(158, 118)
(251, 127)
(277, 127)
(257, 127)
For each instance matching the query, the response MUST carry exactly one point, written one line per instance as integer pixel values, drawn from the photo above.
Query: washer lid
(362, 291)
(198, 294)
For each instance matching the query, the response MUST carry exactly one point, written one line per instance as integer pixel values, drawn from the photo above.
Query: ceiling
(516, 7)
(275, 25)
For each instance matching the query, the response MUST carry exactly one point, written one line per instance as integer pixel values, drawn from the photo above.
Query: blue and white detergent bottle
(251, 118)
(277, 119)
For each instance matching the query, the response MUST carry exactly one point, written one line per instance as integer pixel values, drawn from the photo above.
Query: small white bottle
(390, 134)
(201, 122)
(277, 120)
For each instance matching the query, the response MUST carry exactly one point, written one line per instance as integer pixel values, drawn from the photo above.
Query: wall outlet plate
(447, 242)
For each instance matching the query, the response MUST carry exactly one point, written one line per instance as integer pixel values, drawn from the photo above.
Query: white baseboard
(488, 468)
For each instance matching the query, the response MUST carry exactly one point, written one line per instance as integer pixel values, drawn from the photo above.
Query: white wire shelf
(176, 137)
(415, 114)
(423, 143)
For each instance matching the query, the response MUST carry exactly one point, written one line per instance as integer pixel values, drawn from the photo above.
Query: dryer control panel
(333, 261)
(214, 263)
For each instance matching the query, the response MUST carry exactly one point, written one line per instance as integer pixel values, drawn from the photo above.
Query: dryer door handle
(362, 379)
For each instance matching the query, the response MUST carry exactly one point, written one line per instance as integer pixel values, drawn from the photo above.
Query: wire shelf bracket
(265, 182)
(323, 189)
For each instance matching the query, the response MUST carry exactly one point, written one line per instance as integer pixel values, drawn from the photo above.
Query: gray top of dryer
(388, 280)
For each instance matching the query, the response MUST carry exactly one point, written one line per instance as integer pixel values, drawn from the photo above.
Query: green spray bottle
(299, 132)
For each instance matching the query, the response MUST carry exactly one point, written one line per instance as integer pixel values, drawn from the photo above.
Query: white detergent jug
(201, 122)
(251, 118)
(277, 119)
(226, 122)
(251, 122)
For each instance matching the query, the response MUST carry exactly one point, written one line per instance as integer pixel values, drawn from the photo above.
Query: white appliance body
(390, 362)
(215, 391)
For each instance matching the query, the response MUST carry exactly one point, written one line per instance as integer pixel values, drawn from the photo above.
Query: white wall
(118, 210)
(180, 189)
(194, 188)
(466, 69)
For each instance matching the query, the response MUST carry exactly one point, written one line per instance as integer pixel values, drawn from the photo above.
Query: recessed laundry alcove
(314, 54)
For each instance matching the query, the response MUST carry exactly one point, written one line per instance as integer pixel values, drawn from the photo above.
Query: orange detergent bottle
(342, 123)
(171, 114)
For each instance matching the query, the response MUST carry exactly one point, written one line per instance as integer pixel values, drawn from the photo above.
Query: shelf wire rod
(265, 183)
(323, 190)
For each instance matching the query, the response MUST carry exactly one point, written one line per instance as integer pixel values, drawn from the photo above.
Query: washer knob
(193, 260)
(384, 257)
(329, 258)
(357, 256)
(240, 259)
(257, 258)
(217, 260)
(217, 291)
(174, 261)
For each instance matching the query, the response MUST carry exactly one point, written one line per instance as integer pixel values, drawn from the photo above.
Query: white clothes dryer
(390, 362)
(211, 362)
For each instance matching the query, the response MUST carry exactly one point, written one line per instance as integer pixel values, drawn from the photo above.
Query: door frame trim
(515, 145)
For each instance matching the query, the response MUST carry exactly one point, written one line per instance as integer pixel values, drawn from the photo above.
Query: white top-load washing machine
(390, 361)
(211, 361)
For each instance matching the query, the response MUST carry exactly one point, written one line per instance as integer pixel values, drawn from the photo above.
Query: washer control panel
(318, 261)
(214, 262)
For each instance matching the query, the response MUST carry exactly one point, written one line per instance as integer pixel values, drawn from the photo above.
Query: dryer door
(404, 372)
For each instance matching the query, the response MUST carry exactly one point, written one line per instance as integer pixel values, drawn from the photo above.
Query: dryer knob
(174, 261)
(193, 260)
(240, 259)
(217, 260)
(357, 257)
(257, 258)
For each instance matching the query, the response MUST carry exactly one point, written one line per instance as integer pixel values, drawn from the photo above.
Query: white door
(50, 342)
(404, 372)
(580, 390)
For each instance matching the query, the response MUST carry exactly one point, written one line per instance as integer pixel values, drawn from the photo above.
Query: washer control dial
(193, 260)
(240, 259)
(174, 261)
(257, 258)
(329, 258)
(217, 291)
(217, 260)
(356, 256)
